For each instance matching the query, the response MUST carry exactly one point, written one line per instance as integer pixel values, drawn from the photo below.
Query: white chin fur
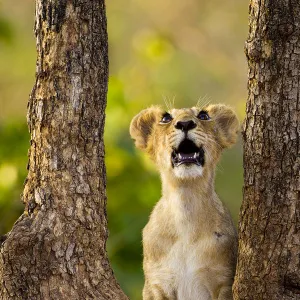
(188, 171)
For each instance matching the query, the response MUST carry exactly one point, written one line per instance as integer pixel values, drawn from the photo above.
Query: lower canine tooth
(195, 155)
(179, 155)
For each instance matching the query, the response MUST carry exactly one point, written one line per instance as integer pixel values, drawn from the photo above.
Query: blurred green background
(178, 49)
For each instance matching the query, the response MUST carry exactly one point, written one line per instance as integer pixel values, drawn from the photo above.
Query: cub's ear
(226, 124)
(142, 125)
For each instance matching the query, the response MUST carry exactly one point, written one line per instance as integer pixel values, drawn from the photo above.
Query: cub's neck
(199, 188)
(191, 202)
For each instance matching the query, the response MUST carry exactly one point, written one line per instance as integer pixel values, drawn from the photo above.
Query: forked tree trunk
(269, 231)
(56, 250)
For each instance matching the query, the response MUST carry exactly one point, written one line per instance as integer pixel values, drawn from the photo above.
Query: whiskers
(170, 103)
(203, 101)
(204, 138)
(215, 150)
(211, 147)
(210, 139)
(175, 138)
(198, 136)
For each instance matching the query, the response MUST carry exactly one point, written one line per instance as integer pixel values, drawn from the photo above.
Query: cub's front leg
(156, 292)
(225, 293)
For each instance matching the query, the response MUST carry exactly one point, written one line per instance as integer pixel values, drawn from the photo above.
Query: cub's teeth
(179, 155)
(195, 155)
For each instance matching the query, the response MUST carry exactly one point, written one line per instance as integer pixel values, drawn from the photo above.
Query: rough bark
(269, 230)
(56, 250)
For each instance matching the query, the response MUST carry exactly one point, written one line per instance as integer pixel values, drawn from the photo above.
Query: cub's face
(185, 142)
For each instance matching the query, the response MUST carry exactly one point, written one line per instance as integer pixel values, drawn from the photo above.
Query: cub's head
(185, 142)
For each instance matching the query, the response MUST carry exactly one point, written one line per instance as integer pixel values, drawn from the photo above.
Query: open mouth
(187, 153)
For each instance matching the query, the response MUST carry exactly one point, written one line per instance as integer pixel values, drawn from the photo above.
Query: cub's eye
(167, 118)
(203, 115)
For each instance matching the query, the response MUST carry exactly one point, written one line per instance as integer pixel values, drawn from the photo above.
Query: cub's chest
(179, 232)
(185, 255)
(193, 264)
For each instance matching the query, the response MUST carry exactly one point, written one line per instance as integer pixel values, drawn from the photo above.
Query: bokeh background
(173, 49)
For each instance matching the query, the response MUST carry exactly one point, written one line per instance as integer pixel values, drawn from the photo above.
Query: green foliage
(14, 139)
(158, 49)
(6, 31)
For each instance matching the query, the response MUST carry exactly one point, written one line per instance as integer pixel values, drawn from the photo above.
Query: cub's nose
(185, 125)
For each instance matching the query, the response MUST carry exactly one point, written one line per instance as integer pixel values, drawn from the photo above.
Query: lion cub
(190, 241)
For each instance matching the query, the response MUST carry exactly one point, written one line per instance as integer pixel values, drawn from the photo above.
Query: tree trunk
(56, 250)
(269, 230)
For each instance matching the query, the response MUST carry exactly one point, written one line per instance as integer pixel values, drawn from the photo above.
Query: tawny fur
(190, 241)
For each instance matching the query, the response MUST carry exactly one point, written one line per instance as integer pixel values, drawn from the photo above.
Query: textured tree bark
(56, 250)
(269, 230)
